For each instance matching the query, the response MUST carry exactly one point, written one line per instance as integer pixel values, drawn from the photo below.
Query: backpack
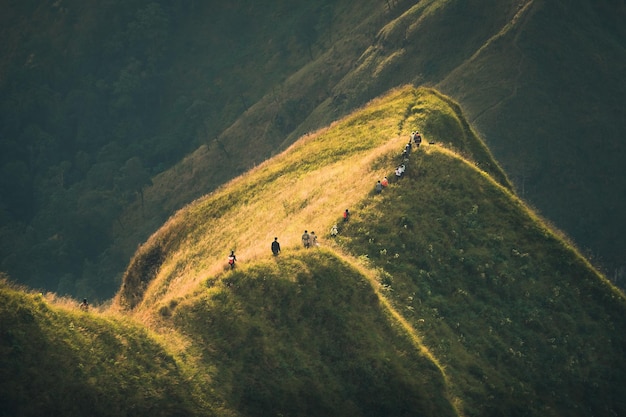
(231, 260)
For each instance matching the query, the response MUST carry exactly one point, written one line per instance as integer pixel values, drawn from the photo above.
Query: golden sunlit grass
(306, 187)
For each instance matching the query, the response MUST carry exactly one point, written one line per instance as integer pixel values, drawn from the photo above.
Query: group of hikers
(415, 139)
(310, 239)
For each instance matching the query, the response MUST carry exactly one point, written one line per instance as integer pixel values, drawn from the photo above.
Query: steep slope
(511, 311)
(519, 321)
(305, 334)
(306, 187)
(442, 296)
(549, 105)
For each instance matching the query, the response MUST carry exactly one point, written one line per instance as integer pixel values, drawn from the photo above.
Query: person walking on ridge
(232, 259)
(275, 247)
(306, 239)
(346, 215)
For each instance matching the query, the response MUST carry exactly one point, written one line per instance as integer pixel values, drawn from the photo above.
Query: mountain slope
(306, 187)
(511, 316)
(444, 295)
(519, 321)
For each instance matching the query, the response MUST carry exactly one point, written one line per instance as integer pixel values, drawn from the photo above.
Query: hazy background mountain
(115, 114)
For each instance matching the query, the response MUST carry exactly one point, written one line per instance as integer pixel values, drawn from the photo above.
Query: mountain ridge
(444, 295)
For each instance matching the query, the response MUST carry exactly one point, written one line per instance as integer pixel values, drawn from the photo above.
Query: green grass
(442, 296)
(60, 361)
(506, 305)
(304, 334)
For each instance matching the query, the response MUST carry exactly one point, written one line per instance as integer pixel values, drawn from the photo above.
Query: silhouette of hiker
(232, 259)
(84, 305)
(417, 139)
(306, 239)
(346, 215)
(275, 247)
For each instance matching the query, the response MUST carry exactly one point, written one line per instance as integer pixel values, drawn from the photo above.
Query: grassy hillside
(62, 361)
(548, 106)
(444, 295)
(519, 321)
(507, 306)
(306, 187)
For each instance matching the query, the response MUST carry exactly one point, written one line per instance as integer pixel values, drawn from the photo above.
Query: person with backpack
(232, 259)
(84, 305)
(346, 215)
(275, 247)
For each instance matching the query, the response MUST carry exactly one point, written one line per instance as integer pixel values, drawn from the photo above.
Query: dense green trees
(80, 99)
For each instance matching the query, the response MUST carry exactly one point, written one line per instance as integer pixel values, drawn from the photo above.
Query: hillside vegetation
(116, 114)
(444, 295)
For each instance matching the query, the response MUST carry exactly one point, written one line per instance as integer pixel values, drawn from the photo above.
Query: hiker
(306, 239)
(314, 239)
(400, 171)
(334, 231)
(232, 259)
(384, 182)
(417, 139)
(346, 215)
(275, 247)
(378, 187)
(84, 305)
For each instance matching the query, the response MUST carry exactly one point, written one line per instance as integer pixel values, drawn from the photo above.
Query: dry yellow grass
(308, 186)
